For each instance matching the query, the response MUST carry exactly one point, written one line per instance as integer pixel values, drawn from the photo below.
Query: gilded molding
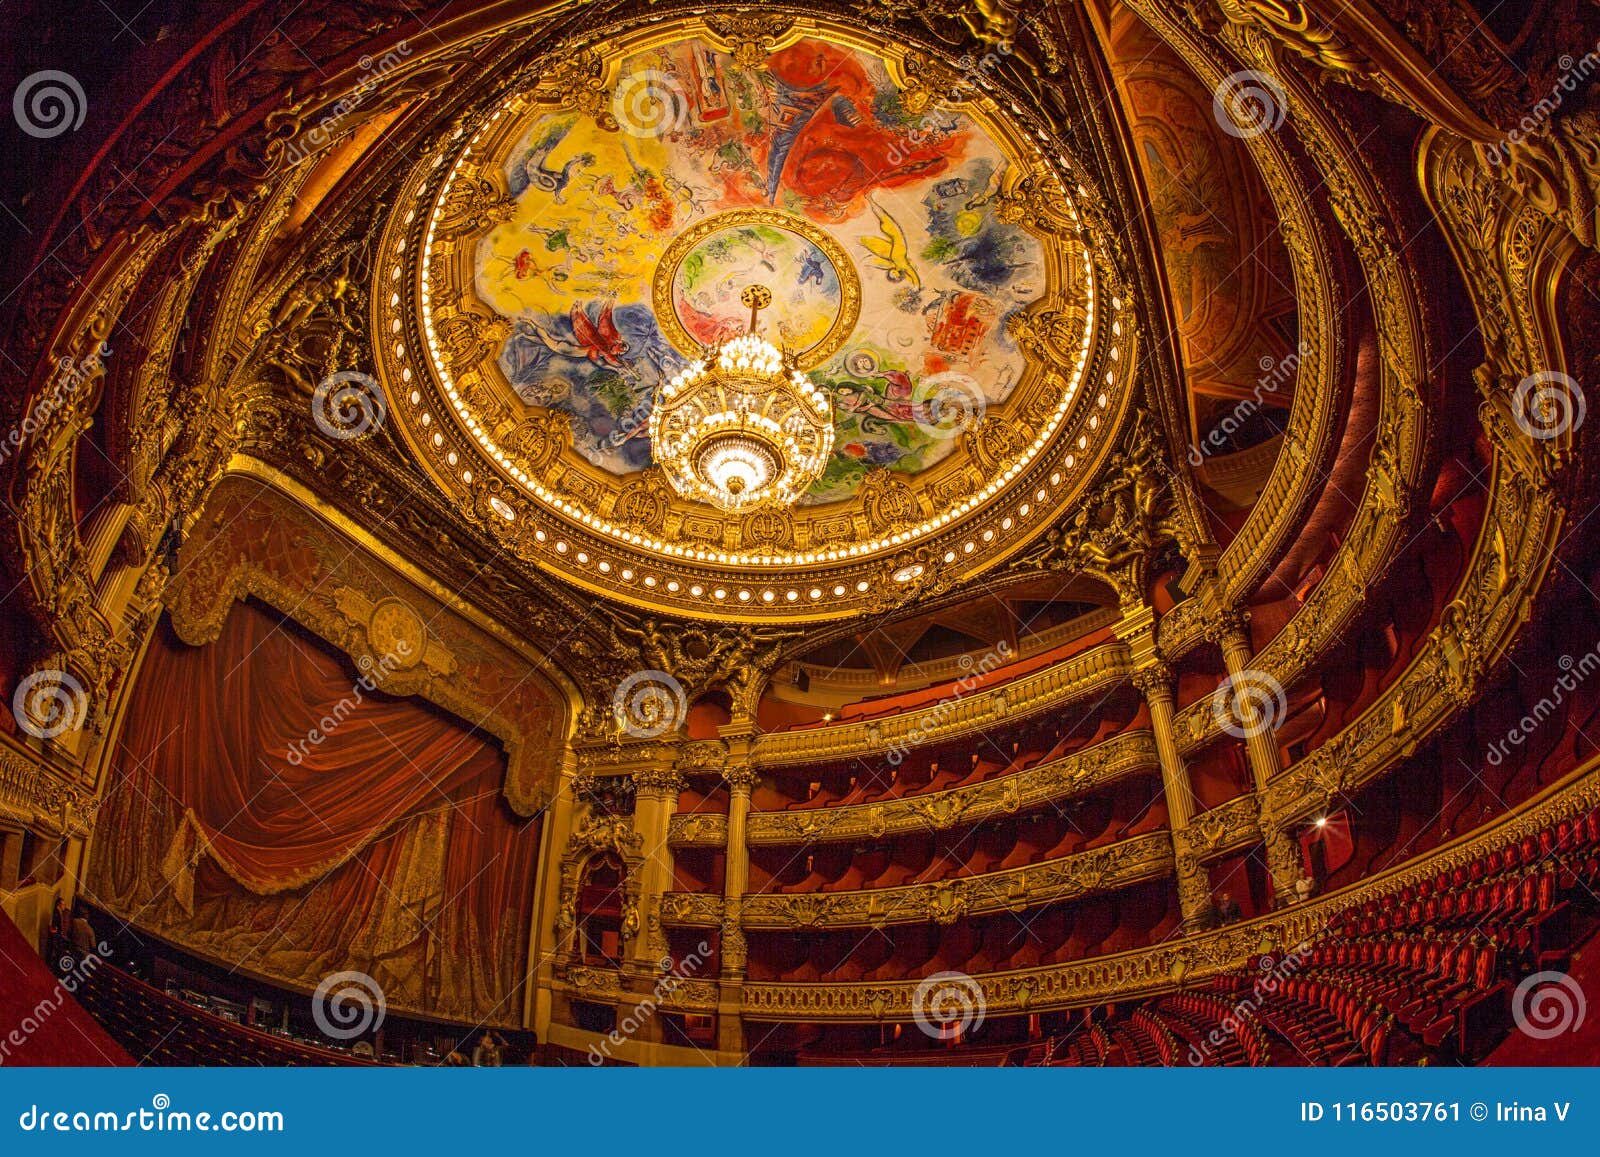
(1035, 787)
(36, 797)
(944, 902)
(691, 909)
(586, 982)
(658, 781)
(703, 757)
(697, 830)
(1228, 827)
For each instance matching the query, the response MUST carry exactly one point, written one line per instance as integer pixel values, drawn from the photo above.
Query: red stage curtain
(388, 839)
(232, 723)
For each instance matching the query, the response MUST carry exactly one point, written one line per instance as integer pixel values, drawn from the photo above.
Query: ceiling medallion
(742, 427)
(944, 359)
(815, 311)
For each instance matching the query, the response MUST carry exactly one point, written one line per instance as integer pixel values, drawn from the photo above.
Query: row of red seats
(1420, 972)
(926, 771)
(1359, 1017)
(1434, 987)
(1236, 1019)
(1105, 818)
(157, 1029)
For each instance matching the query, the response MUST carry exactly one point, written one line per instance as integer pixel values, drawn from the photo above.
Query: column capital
(741, 778)
(1227, 624)
(662, 782)
(1155, 678)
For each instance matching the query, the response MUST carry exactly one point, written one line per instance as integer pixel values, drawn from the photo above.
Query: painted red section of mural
(270, 807)
(828, 145)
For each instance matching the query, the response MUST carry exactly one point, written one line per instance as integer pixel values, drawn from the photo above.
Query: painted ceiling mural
(874, 228)
(1233, 293)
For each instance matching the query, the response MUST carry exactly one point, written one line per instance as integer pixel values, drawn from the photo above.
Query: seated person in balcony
(1227, 909)
(82, 934)
(1304, 888)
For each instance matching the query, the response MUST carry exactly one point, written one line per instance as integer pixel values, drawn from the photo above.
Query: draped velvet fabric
(385, 845)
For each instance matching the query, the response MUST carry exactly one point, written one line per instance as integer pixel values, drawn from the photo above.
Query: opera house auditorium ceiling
(968, 533)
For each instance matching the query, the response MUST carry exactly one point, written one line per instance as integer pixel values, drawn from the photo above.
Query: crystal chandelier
(742, 427)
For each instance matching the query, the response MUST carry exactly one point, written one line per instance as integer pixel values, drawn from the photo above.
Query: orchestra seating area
(1424, 974)
(158, 1029)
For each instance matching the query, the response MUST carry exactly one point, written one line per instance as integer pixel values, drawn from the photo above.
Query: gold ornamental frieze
(1085, 873)
(1019, 792)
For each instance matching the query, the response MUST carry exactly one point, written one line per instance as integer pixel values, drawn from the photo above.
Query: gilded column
(1155, 681)
(1253, 711)
(741, 780)
(655, 800)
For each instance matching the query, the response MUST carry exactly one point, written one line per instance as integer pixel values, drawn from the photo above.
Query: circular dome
(555, 267)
